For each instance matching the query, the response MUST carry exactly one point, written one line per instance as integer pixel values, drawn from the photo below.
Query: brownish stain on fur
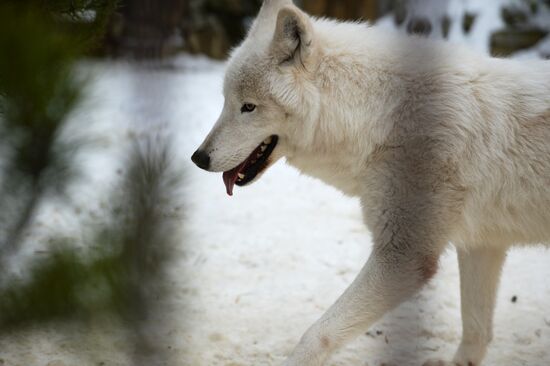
(429, 268)
(325, 342)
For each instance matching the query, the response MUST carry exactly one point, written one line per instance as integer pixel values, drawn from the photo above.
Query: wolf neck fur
(332, 145)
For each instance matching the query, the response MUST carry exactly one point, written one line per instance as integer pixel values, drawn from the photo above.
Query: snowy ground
(256, 269)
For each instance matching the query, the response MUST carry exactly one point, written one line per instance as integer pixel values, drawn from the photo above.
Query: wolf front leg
(480, 270)
(398, 266)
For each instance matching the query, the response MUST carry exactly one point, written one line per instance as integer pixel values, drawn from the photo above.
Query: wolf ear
(264, 22)
(293, 36)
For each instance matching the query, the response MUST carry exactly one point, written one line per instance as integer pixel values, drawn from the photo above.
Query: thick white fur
(440, 144)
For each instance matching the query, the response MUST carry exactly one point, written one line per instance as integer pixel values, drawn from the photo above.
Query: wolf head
(268, 93)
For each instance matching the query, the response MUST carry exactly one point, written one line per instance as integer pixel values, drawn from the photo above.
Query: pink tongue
(230, 177)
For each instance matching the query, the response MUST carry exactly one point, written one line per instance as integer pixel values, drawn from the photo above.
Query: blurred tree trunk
(343, 9)
(150, 28)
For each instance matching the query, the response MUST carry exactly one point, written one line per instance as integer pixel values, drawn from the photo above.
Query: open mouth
(256, 162)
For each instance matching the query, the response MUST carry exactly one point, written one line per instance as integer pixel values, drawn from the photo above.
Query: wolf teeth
(267, 141)
(263, 148)
(240, 175)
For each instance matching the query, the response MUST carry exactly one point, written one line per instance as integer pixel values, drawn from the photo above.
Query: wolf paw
(447, 363)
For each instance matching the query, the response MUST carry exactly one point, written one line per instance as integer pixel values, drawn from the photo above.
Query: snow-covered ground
(256, 269)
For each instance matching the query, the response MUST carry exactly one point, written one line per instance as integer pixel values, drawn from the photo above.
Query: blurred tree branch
(38, 90)
(42, 41)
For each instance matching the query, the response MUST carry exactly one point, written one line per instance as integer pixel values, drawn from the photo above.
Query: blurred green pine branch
(128, 260)
(41, 41)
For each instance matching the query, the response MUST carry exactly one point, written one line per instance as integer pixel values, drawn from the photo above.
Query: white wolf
(440, 144)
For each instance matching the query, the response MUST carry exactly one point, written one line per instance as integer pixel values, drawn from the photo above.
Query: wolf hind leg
(480, 270)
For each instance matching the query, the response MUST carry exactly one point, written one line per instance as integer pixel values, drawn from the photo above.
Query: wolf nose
(201, 159)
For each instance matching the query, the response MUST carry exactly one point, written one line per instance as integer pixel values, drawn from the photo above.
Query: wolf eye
(247, 108)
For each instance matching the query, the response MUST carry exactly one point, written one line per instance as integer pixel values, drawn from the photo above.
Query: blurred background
(147, 28)
(115, 250)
